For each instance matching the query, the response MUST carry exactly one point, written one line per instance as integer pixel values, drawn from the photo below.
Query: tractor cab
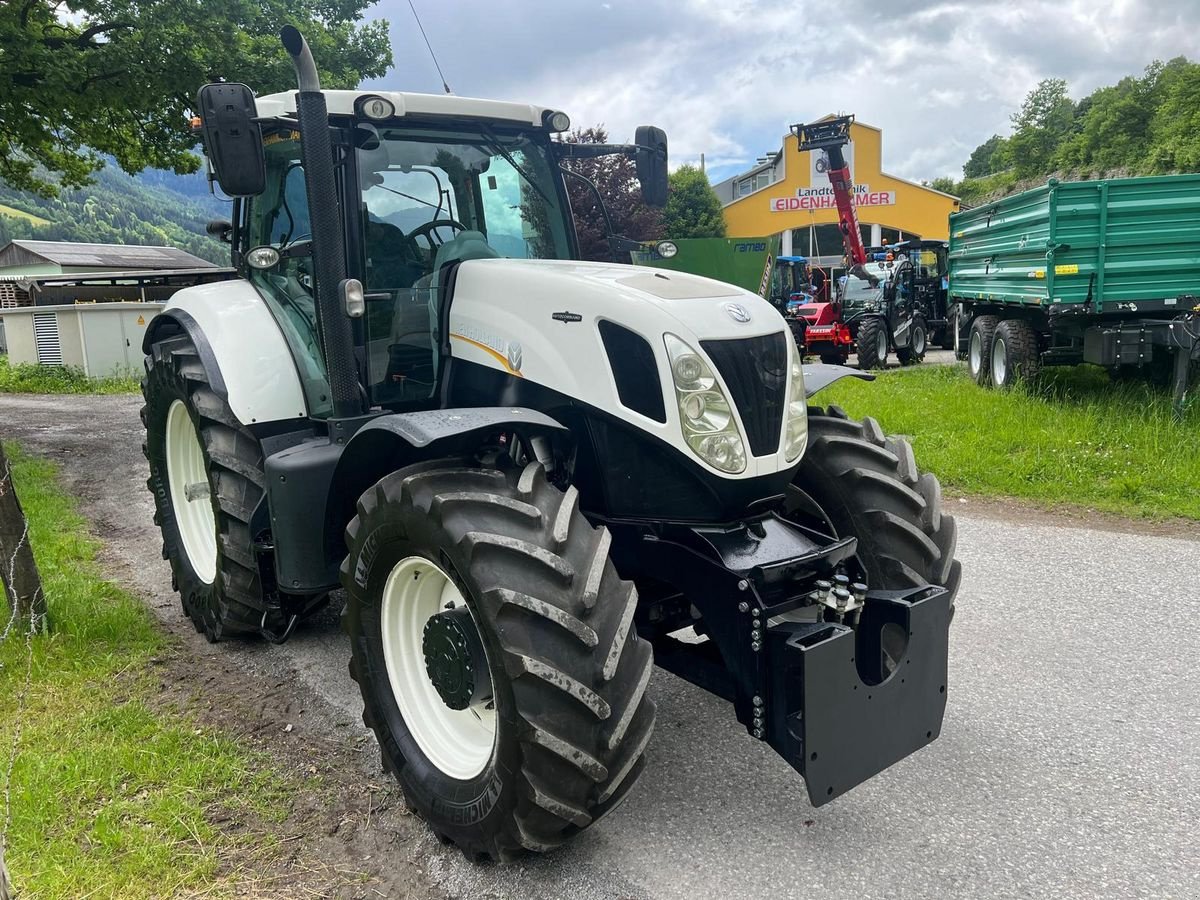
(791, 284)
(423, 191)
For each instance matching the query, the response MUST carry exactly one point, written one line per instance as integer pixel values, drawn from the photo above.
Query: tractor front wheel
(867, 485)
(494, 645)
(872, 344)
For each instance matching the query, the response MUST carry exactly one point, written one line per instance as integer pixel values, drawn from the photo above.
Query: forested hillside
(1146, 125)
(152, 208)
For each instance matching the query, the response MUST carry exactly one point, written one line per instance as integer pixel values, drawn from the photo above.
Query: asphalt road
(1068, 764)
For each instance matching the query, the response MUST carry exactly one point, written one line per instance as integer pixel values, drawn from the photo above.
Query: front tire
(555, 623)
(872, 344)
(868, 485)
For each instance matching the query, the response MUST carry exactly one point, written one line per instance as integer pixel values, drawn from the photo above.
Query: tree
(615, 178)
(1043, 122)
(119, 77)
(1175, 126)
(944, 184)
(18, 570)
(693, 208)
(988, 158)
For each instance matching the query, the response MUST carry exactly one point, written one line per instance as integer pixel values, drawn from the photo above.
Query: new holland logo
(514, 356)
(737, 312)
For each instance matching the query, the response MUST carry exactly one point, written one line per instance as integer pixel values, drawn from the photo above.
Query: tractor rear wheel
(979, 349)
(494, 645)
(868, 485)
(872, 344)
(918, 343)
(206, 475)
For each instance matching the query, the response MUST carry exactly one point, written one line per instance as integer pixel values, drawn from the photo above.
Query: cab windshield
(430, 198)
(857, 291)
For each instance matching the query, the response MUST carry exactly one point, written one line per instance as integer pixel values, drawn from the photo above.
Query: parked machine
(874, 308)
(532, 477)
(1102, 272)
(930, 282)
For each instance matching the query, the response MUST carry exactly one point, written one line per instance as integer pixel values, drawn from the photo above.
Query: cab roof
(341, 103)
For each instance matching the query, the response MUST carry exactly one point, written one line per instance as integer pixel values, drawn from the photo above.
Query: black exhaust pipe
(328, 243)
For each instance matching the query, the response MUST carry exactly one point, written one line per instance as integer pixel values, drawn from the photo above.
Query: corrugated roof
(107, 256)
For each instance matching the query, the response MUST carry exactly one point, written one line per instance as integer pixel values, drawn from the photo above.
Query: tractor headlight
(705, 413)
(795, 438)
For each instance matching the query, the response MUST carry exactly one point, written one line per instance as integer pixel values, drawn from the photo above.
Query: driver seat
(463, 246)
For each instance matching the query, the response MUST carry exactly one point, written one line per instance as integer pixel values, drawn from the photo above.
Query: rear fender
(241, 347)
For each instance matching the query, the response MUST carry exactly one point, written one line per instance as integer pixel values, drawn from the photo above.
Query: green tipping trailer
(1105, 272)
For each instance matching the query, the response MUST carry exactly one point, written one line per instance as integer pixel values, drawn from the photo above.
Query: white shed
(100, 338)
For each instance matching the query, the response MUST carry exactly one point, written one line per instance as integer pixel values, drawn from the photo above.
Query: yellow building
(788, 193)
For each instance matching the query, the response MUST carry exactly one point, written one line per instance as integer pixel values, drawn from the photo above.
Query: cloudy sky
(727, 77)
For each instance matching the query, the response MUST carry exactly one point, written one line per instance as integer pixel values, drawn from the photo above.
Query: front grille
(755, 371)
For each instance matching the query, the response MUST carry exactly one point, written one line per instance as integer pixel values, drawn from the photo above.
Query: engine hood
(704, 307)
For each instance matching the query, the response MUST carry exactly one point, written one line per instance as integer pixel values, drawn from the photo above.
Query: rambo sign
(822, 198)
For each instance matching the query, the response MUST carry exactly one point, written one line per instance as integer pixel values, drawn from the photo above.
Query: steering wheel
(426, 231)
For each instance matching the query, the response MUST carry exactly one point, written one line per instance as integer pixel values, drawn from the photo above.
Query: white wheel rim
(999, 362)
(976, 352)
(881, 345)
(459, 742)
(919, 341)
(191, 500)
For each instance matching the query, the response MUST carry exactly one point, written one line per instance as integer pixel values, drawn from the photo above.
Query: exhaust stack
(329, 251)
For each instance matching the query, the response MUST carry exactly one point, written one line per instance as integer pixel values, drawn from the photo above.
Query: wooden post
(18, 571)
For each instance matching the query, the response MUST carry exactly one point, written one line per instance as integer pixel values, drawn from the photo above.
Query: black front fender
(819, 376)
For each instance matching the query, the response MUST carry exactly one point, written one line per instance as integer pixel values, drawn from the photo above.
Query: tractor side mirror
(232, 137)
(652, 163)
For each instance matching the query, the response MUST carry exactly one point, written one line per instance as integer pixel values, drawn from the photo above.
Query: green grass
(111, 796)
(1074, 438)
(26, 378)
(21, 214)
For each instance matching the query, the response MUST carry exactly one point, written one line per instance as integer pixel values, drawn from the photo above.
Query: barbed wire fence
(27, 613)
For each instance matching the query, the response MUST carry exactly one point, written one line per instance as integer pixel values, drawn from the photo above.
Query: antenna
(430, 46)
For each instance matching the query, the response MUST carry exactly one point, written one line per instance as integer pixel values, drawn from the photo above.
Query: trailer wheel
(869, 486)
(1015, 354)
(979, 349)
(206, 475)
(494, 645)
(872, 344)
(918, 344)
(833, 359)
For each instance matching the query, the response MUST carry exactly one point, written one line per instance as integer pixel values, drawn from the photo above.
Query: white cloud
(727, 78)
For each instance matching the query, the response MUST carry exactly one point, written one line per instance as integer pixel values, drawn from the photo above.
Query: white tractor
(532, 476)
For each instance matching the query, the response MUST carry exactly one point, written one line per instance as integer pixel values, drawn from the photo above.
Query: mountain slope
(152, 208)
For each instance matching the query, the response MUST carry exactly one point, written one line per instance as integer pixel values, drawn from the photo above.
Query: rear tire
(869, 486)
(214, 571)
(833, 359)
(568, 672)
(1014, 355)
(979, 349)
(950, 329)
(918, 344)
(872, 344)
